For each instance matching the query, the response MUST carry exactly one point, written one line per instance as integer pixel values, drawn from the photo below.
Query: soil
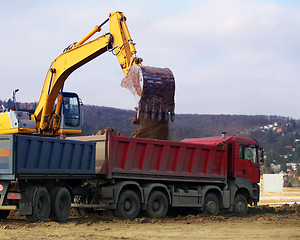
(153, 129)
(154, 88)
(147, 129)
(262, 222)
(112, 131)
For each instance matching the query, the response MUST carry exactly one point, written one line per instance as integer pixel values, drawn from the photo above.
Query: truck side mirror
(262, 155)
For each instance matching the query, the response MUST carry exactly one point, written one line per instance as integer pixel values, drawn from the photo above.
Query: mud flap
(226, 199)
(154, 90)
(26, 201)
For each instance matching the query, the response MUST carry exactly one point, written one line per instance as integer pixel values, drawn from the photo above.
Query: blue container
(27, 157)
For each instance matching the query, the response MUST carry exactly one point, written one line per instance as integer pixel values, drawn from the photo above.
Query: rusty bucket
(154, 90)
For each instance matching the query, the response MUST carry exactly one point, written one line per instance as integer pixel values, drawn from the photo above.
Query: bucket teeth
(154, 90)
(152, 116)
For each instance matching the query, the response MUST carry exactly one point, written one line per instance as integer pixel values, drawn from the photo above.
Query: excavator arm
(153, 87)
(59, 71)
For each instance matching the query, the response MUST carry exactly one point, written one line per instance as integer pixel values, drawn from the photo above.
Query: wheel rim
(129, 205)
(156, 205)
(240, 206)
(62, 204)
(211, 206)
(41, 205)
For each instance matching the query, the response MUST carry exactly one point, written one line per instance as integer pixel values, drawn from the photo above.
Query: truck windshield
(248, 152)
(71, 111)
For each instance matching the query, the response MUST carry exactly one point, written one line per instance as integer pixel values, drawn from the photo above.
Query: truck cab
(244, 159)
(242, 155)
(243, 164)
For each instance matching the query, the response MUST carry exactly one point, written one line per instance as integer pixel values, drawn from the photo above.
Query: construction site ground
(275, 221)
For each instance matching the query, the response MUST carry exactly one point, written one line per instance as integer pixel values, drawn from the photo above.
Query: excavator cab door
(71, 113)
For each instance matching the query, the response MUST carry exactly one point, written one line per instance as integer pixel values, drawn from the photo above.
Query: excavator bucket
(154, 90)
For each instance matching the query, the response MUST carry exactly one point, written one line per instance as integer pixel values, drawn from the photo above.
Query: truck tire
(60, 204)
(4, 214)
(128, 206)
(240, 206)
(157, 205)
(211, 204)
(40, 205)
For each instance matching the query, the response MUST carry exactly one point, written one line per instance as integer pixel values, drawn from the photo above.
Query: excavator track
(154, 90)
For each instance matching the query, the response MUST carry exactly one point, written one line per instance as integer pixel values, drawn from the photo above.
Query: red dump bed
(127, 157)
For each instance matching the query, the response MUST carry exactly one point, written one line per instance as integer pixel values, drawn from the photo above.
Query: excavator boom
(153, 87)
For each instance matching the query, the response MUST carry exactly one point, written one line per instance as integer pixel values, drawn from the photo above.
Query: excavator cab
(71, 113)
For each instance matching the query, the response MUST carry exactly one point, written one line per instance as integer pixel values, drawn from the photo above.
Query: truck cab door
(248, 155)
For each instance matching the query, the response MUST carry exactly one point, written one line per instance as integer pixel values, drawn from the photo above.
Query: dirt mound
(148, 129)
(113, 132)
(262, 222)
(261, 213)
(288, 208)
(255, 214)
(293, 208)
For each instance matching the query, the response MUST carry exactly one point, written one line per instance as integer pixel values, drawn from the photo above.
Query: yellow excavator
(59, 112)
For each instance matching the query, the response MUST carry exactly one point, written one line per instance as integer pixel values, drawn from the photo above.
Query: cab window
(248, 152)
(71, 111)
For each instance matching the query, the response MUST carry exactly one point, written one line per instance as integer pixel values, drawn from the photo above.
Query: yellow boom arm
(154, 88)
(80, 53)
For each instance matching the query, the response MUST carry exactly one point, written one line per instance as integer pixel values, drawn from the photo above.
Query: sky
(227, 56)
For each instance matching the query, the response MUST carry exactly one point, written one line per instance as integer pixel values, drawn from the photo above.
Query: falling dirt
(154, 90)
(153, 129)
(261, 222)
(147, 129)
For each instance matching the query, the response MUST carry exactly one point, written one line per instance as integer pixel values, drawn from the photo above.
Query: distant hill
(98, 118)
(184, 126)
(203, 125)
(278, 135)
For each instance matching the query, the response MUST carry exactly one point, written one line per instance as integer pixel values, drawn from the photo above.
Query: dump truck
(44, 177)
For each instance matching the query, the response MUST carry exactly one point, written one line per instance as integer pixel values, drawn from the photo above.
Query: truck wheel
(240, 206)
(40, 205)
(211, 204)
(128, 206)
(60, 204)
(4, 214)
(157, 205)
